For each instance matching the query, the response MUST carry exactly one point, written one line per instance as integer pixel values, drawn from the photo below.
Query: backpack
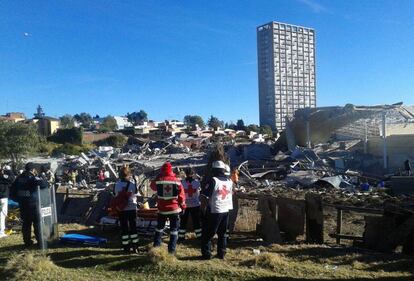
(119, 202)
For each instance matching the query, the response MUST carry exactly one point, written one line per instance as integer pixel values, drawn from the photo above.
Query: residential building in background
(46, 125)
(286, 68)
(13, 117)
(122, 122)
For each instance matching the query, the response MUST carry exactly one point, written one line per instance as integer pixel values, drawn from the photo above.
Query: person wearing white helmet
(218, 197)
(6, 180)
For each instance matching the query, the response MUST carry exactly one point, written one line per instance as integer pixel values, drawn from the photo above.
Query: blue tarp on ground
(13, 204)
(81, 239)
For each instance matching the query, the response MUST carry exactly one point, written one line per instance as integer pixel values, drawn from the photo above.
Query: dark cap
(29, 166)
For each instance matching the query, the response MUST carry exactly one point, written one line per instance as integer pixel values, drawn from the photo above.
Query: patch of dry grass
(298, 261)
(160, 255)
(270, 261)
(25, 265)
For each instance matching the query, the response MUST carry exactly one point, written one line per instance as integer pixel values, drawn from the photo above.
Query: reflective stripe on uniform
(134, 236)
(135, 241)
(167, 182)
(198, 232)
(125, 237)
(167, 197)
(174, 233)
(125, 242)
(182, 231)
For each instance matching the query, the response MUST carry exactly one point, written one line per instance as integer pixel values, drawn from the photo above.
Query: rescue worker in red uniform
(192, 200)
(170, 202)
(217, 198)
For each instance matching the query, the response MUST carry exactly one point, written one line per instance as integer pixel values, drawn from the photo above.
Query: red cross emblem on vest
(167, 188)
(190, 190)
(223, 192)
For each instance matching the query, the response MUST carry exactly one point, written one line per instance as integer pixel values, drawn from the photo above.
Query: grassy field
(277, 262)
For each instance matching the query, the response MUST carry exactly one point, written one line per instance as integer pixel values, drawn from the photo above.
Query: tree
(67, 121)
(230, 125)
(84, 118)
(193, 120)
(17, 140)
(215, 123)
(240, 125)
(252, 128)
(63, 136)
(109, 124)
(266, 130)
(137, 117)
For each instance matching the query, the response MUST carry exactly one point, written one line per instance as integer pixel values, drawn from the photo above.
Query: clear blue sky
(173, 58)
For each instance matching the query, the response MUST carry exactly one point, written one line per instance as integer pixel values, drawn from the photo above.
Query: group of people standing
(23, 189)
(178, 198)
(207, 203)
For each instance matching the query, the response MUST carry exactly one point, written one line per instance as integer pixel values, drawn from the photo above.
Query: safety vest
(221, 200)
(167, 190)
(192, 193)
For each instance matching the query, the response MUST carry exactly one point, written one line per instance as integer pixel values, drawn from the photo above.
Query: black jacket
(5, 183)
(24, 188)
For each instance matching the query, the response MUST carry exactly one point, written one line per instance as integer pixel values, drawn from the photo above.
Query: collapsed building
(382, 131)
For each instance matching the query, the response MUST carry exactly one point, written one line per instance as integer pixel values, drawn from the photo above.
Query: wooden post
(314, 219)
(338, 226)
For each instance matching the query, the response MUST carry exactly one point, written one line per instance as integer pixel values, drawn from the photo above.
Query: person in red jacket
(170, 202)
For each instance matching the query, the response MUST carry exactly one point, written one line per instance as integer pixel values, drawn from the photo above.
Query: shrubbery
(63, 136)
(71, 149)
(114, 140)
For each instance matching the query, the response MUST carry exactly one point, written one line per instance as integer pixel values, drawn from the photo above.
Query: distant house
(46, 125)
(13, 117)
(122, 122)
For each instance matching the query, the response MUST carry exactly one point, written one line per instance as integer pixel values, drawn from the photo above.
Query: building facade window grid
(292, 56)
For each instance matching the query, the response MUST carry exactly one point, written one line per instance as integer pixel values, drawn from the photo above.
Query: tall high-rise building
(286, 64)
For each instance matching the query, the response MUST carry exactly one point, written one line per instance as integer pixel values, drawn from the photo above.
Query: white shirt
(132, 200)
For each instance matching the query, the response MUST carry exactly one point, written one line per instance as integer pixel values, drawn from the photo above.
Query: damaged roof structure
(323, 125)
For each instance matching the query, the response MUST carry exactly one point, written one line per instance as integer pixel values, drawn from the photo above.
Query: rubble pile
(290, 187)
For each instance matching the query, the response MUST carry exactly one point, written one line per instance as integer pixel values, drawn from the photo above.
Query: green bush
(70, 149)
(63, 136)
(47, 147)
(114, 140)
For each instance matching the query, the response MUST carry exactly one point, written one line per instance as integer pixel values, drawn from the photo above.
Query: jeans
(195, 218)
(129, 235)
(174, 226)
(29, 216)
(215, 223)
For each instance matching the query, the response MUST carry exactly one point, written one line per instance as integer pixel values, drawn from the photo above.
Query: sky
(173, 58)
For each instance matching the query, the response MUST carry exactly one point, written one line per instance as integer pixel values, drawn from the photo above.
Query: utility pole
(384, 138)
(366, 138)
